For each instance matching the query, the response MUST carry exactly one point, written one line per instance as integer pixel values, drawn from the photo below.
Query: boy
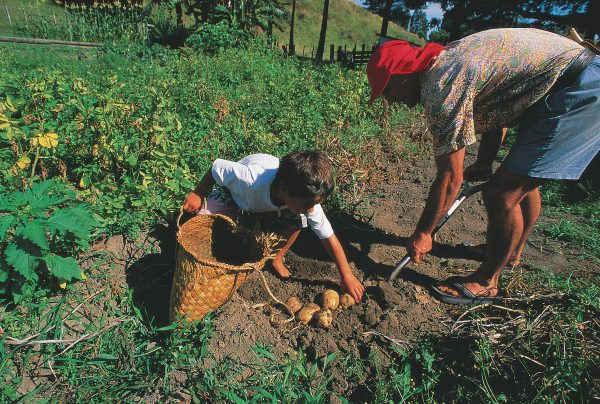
(293, 187)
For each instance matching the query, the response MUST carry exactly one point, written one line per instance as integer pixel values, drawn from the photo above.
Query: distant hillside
(348, 24)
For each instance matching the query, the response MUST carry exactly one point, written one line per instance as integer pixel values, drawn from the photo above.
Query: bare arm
(193, 202)
(488, 150)
(348, 280)
(442, 193)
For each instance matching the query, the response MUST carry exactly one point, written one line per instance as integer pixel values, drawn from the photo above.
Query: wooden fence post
(331, 53)
(8, 14)
(312, 53)
(54, 16)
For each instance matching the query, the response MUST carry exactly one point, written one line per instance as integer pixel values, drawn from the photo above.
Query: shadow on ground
(150, 277)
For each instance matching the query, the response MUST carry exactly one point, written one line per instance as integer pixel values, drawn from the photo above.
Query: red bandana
(398, 57)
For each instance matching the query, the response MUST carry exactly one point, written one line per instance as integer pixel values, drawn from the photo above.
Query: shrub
(41, 228)
(214, 38)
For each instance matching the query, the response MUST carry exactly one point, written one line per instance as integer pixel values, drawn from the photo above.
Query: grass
(574, 209)
(22, 11)
(348, 24)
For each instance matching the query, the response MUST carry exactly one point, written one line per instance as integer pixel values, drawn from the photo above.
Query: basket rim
(248, 266)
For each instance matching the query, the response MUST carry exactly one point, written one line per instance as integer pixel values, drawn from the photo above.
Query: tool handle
(452, 209)
(468, 190)
(399, 268)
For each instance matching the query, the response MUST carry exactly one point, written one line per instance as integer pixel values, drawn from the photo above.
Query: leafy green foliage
(135, 134)
(41, 228)
(214, 38)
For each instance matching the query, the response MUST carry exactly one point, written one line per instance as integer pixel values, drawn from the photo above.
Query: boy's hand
(353, 286)
(192, 203)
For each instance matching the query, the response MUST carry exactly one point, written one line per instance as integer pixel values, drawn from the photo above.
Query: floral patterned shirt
(487, 80)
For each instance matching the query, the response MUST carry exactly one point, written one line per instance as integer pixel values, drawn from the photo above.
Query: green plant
(214, 38)
(411, 375)
(98, 22)
(41, 228)
(291, 380)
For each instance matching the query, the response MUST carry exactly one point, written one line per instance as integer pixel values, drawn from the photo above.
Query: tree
(387, 10)
(292, 49)
(397, 11)
(322, 35)
(561, 14)
(463, 17)
(435, 23)
(419, 23)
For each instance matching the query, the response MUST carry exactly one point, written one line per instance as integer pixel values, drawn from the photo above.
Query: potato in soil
(324, 318)
(347, 301)
(305, 314)
(294, 304)
(330, 299)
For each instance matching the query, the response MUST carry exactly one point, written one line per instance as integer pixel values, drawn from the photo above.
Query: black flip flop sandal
(466, 298)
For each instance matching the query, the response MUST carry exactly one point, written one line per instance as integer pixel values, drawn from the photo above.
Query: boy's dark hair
(306, 174)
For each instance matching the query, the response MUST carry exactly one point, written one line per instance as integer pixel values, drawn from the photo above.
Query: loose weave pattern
(214, 257)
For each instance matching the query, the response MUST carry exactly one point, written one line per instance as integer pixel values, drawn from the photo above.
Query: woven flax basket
(214, 257)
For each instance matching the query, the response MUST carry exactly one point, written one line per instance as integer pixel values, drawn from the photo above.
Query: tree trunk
(321, 45)
(458, 16)
(386, 17)
(590, 23)
(179, 12)
(292, 45)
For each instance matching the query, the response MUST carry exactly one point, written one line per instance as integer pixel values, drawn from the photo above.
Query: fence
(341, 54)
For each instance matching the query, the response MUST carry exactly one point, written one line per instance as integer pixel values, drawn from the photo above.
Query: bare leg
(509, 224)
(290, 235)
(531, 206)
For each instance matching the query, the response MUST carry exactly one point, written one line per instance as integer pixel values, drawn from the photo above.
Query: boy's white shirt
(249, 181)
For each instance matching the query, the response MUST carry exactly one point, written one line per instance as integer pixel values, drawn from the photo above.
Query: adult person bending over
(547, 84)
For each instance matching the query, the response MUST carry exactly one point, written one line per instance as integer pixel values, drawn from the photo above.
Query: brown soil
(388, 316)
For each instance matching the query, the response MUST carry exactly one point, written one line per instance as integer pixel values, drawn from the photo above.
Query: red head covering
(398, 57)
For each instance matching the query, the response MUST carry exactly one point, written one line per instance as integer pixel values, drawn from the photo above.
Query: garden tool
(468, 189)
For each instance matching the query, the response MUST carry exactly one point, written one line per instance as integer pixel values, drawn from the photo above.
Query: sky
(432, 10)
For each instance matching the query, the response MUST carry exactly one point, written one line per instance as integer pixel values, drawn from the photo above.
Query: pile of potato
(322, 313)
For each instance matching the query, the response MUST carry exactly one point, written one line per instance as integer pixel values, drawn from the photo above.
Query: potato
(330, 299)
(324, 318)
(294, 304)
(305, 314)
(347, 301)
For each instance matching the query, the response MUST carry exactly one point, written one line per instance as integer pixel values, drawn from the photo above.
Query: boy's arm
(193, 202)
(349, 282)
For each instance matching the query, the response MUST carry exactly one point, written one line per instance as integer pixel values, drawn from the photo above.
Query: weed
(41, 228)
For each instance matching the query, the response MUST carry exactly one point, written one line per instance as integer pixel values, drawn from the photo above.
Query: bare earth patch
(388, 317)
